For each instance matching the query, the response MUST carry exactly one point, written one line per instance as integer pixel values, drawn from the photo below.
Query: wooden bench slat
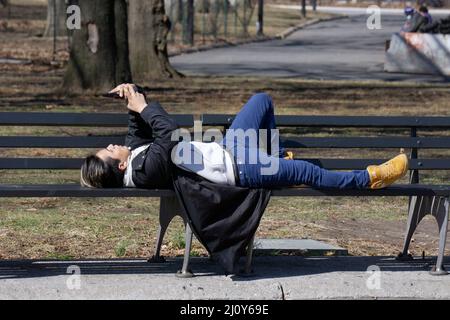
(355, 164)
(74, 190)
(78, 119)
(392, 191)
(366, 142)
(339, 121)
(40, 163)
(302, 142)
(332, 164)
(60, 142)
(120, 119)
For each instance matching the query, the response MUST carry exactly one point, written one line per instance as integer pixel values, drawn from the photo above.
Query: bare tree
(260, 29)
(56, 18)
(180, 11)
(148, 27)
(99, 50)
(189, 36)
(119, 43)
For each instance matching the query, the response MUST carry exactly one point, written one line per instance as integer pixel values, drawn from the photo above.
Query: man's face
(115, 152)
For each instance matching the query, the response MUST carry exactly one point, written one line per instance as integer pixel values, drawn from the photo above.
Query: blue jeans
(258, 113)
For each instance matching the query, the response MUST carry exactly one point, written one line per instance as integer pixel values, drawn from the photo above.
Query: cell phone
(116, 95)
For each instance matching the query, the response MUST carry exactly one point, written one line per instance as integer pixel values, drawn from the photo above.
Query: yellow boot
(289, 155)
(387, 173)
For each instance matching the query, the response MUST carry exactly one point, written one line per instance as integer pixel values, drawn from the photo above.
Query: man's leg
(297, 172)
(284, 173)
(257, 113)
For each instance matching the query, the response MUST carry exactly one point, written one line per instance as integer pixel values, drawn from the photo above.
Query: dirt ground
(83, 228)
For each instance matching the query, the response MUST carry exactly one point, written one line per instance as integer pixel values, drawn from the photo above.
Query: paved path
(334, 50)
(359, 10)
(275, 278)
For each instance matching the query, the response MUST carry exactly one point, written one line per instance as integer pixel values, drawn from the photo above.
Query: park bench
(423, 198)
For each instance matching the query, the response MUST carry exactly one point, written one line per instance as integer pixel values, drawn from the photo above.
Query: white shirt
(128, 177)
(208, 160)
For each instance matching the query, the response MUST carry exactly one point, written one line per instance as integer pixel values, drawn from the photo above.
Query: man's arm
(143, 125)
(161, 124)
(139, 132)
(153, 114)
(153, 170)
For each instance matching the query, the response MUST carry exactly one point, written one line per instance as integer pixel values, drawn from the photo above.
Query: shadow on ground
(263, 267)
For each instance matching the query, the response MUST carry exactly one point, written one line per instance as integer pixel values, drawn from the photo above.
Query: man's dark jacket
(151, 168)
(224, 218)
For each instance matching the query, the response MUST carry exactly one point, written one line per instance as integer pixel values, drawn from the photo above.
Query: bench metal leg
(168, 209)
(419, 207)
(440, 212)
(185, 272)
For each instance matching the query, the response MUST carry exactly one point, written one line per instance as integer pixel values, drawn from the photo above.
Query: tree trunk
(260, 28)
(148, 27)
(123, 71)
(190, 23)
(98, 52)
(56, 11)
(180, 11)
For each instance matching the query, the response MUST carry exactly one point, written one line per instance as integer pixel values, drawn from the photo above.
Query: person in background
(409, 12)
(423, 10)
(416, 20)
(438, 26)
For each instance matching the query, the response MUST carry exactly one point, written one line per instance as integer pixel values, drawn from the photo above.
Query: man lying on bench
(146, 161)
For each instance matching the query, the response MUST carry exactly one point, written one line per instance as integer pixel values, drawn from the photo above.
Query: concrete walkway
(279, 277)
(343, 49)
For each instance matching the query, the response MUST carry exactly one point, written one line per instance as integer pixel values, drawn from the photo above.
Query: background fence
(213, 19)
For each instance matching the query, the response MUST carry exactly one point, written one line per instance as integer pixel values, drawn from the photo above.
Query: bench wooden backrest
(411, 140)
(103, 120)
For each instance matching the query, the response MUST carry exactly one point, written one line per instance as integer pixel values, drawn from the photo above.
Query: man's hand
(120, 89)
(136, 100)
